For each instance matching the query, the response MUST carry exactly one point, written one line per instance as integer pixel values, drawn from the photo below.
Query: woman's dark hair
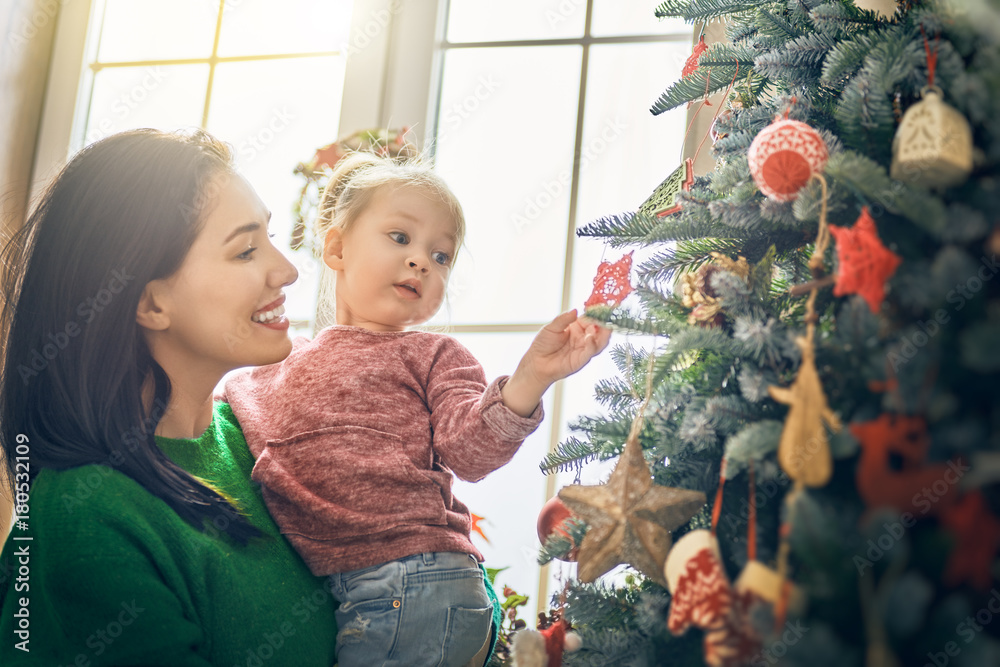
(123, 212)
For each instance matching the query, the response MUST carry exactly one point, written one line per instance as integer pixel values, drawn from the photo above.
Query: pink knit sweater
(356, 435)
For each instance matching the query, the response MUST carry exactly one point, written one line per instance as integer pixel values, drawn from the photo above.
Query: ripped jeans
(426, 609)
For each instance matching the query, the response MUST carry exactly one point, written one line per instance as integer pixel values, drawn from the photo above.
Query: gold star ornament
(630, 518)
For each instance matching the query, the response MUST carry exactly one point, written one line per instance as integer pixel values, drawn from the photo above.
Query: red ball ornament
(550, 520)
(784, 156)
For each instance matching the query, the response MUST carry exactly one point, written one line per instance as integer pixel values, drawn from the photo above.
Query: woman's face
(222, 309)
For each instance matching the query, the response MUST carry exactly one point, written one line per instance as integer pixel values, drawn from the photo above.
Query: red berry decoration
(550, 520)
(784, 156)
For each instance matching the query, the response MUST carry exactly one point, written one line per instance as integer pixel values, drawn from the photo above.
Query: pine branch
(616, 395)
(570, 455)
(621, 229)
(840, 19)
(687, 256)
(865, 111)
(775, 26)
(692, 338)
(706, 10)
(621, 320)
(799, 61)
(846, 57)
(869, 179)
(737, 31)
(720, 64)
(639, 229)
(671, 9)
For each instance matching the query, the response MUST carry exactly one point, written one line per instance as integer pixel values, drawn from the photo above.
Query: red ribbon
(932, 58)
(752, 519)
(717, 508)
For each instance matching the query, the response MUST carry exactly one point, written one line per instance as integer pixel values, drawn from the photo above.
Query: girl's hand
(561, 348)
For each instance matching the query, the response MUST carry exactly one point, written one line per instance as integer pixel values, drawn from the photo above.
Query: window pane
(613, 17)
(627, 150)
(505, 146)
(166, 97)
(254, 27)
(157, 29)
(494, 20)
(511, 497)
(262, 108)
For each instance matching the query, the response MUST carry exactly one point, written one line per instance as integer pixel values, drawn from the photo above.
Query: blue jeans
(425, 609)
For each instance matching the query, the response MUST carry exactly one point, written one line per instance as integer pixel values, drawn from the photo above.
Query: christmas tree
(829, 347)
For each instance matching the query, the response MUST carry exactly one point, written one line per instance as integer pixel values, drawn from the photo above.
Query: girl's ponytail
(334, 194)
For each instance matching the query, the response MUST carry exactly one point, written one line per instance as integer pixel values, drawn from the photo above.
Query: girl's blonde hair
(355, 181)
(359, 176)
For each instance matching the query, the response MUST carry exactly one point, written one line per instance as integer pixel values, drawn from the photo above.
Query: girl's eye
(271, 235)
(246, 254)
(442, 258)
(399, 237)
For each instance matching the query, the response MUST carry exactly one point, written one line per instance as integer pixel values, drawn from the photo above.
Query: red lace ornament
(882, 486)
(784, 156)
(611, 284)
(691, 64)
(864, 263)
(977, 534)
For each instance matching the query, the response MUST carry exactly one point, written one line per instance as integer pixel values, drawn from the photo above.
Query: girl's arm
(561, 348)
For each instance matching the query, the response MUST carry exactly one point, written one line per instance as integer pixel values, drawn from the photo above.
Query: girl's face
(393, 263)
(222, 309)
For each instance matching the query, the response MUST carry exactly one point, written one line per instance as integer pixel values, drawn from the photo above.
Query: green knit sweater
(114, 577)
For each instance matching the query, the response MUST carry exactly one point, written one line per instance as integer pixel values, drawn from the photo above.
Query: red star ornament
(977, 533)
(476, 528)
(611, 284)
(864, 263)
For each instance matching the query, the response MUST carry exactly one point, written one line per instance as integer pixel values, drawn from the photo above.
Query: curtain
(28, 29)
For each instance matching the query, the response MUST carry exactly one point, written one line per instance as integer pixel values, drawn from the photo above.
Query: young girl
(358, 432)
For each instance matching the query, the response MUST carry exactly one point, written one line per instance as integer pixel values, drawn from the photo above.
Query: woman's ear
(150, 313)
(333, 249)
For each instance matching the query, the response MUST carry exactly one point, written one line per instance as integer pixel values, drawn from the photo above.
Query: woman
(142, 277)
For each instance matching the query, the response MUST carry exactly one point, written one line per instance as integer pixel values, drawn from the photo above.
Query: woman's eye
(246, 254)
(271, 235)
(442, 258)
(399, 237)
